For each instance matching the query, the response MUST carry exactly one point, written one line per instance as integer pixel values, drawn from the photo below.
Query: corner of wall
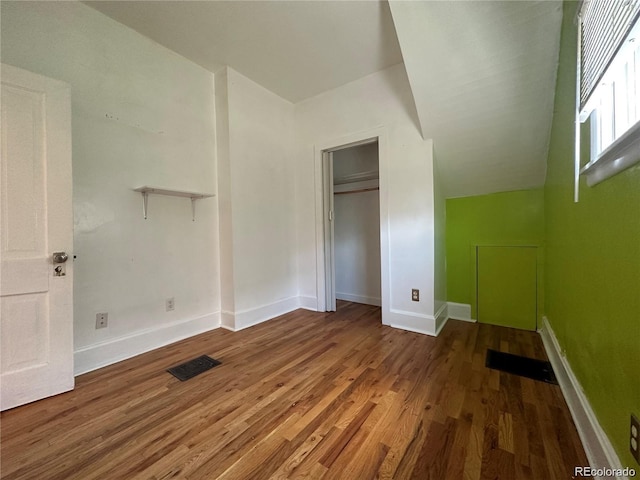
(308, 302)
(460, 311)
(413, 322)
(442, 316)
(236, 321)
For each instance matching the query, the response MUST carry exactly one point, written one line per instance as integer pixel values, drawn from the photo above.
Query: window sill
(620, 155)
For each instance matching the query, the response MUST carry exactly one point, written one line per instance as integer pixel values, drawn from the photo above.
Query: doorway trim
(322, 190)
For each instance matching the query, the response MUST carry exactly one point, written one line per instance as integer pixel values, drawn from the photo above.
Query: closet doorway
(352, 229)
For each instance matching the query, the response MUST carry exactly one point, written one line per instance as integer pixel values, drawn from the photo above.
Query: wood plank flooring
(306, 395)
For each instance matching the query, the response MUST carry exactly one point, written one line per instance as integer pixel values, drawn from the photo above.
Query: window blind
(604, 26)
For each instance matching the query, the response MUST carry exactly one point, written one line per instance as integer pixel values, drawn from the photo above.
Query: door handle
(60, 257)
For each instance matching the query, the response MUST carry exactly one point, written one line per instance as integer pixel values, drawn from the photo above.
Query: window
(609, 85)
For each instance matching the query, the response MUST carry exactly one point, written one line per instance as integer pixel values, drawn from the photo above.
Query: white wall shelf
(146, 190)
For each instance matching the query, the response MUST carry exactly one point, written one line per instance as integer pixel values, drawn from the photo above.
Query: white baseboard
(442, 315)
(227, 320)
(308, 303)
(254, 316)
(237, 321)
(349, 297)
(413, 322)
(460, 311)
(92, 357)
(597, 446)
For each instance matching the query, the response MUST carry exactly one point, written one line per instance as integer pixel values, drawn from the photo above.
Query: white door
(36, 220)
(329, 256)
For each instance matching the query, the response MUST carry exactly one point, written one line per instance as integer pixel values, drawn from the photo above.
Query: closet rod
(357, 191)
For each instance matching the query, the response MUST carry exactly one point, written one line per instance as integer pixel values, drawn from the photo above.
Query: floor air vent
(193, 367)
(522, 366)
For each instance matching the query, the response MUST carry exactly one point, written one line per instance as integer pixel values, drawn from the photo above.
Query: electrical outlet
(634, 438)
(415, 294)
(102, 320)
(170, 304)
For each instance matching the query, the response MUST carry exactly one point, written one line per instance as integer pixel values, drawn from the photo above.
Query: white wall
(225, 212)
(379, 101)
(260, 232)
(440, 248)
(141, 115)
(144, 115)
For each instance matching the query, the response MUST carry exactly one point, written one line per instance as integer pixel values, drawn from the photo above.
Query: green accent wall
(507, 286)
(592, 283)
(500, 219)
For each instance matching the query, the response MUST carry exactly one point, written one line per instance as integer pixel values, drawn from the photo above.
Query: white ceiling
(296, 49)
(483, 80)
(482, 73)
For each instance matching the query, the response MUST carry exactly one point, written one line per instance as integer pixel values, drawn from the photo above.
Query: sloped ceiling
(482, 73)
(296, 49)
(483, 78)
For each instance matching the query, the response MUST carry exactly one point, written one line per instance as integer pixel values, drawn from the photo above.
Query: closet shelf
(359, 190)
(146, 190)
(356, 187)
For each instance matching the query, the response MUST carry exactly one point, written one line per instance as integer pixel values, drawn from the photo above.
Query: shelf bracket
(145, 202)
(193, 209)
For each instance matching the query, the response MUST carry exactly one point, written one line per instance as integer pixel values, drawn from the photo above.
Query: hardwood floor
(307, 395)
